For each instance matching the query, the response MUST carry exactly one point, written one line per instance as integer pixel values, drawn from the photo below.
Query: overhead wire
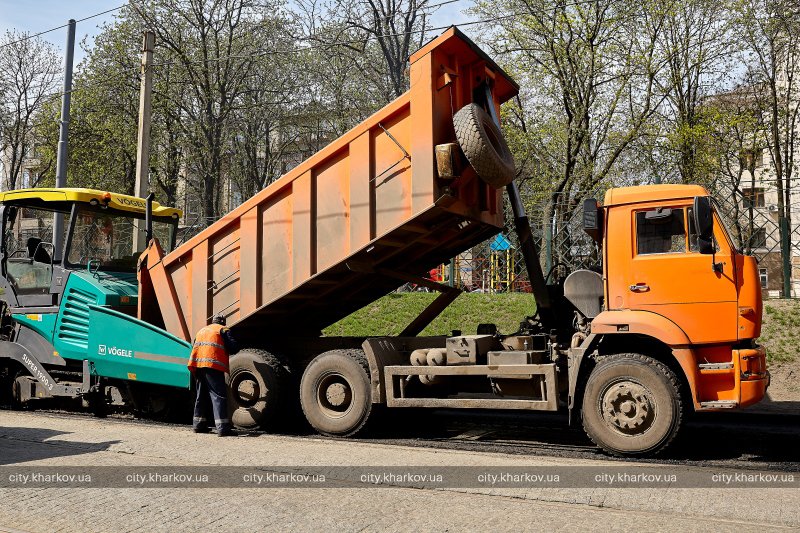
(49, 97)
(39, 34)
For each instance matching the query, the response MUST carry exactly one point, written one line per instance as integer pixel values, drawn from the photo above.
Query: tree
(376, 37)
(697, 42)
(590, 70)
(268, 120)
(736, 140)
(771, 31)
(213, 44)
(29, 69)
(224, 117)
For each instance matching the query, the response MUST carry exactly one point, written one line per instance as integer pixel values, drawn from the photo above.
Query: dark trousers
(212, 396)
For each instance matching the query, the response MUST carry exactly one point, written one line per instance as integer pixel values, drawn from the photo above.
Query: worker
(208, 363)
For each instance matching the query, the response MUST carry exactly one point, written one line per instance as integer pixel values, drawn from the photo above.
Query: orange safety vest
(209, 350)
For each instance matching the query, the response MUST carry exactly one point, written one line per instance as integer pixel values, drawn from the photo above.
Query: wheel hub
(246, 389)
(334, 395)
(628, 406)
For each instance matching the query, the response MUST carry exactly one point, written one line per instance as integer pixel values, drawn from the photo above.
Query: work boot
(227, 432)
(201, 430)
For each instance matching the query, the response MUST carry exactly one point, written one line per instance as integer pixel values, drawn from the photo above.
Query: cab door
(27, 257)
(669, 275)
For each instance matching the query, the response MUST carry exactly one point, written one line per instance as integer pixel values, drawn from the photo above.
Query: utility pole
(61, 157)
(143, 145)
(786, 254)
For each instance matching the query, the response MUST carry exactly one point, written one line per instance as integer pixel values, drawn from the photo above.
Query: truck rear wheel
(258, 389)
(335, 392)
(632, 405)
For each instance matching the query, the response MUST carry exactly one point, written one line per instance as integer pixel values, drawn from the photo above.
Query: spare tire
(484, 145)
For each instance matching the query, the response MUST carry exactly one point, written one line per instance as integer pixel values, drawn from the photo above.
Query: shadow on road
(23, 444)
(750, 438)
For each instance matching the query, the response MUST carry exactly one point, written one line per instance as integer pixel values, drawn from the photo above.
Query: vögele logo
(102, 349)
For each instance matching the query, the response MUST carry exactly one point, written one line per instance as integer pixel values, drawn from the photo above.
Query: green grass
(393, 312)
(780, 333)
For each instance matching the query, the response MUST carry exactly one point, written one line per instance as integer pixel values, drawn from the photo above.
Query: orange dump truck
(668, 327)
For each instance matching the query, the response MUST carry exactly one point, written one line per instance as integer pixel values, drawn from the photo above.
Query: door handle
(639, 287)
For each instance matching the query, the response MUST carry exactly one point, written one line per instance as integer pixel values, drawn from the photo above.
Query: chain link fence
(752, 216)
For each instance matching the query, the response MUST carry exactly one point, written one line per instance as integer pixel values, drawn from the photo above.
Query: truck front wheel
(632, 405)
(335, 392)
(259, 389)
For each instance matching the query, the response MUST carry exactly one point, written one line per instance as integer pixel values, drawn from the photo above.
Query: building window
(758, 238)
(751, 157)
(763, 276)
(753, 197)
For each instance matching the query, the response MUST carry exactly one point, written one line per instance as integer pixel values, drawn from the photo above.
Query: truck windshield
(107, 240)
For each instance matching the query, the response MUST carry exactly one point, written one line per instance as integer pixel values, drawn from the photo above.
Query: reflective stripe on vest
(221, 346)
(209, 350)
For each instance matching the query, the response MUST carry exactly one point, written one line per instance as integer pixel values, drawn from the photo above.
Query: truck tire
(484, 145)
(335, 392)
(259, 389)
(632, 405)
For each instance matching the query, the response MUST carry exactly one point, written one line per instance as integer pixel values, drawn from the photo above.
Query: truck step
(719, 404)
(715, 366)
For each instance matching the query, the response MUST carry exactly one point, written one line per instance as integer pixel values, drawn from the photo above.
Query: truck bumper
(753, 374)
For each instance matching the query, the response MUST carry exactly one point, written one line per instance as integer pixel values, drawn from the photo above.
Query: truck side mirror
(704, 223)
(593, 219)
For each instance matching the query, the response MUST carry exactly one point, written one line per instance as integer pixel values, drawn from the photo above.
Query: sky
(34, 16)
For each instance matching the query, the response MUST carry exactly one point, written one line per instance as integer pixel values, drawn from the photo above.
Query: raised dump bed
(318, 243)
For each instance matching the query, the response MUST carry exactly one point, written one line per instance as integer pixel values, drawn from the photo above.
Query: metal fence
(754, 225)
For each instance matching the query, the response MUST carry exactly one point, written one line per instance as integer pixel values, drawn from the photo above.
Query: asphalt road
(714, 443)
(749, 439)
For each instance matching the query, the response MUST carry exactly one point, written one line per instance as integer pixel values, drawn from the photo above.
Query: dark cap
(219, 319)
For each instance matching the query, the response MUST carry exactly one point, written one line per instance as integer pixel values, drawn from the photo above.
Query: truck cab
(663, 279)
